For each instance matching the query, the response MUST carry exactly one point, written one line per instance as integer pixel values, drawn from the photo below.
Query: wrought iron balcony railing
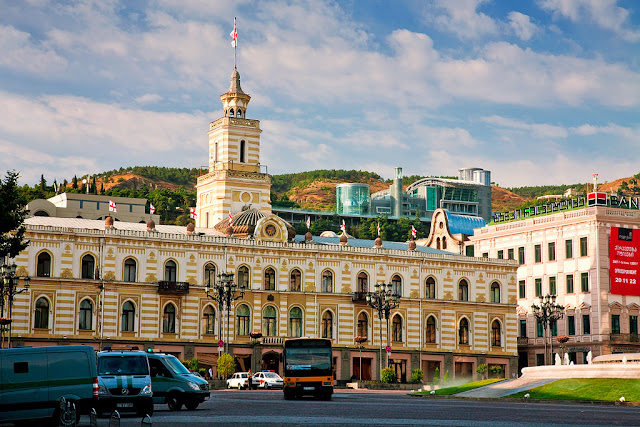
(174, 288)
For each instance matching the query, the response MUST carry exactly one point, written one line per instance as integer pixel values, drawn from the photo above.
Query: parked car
(267, 380)
(174, 385)
(239, 380)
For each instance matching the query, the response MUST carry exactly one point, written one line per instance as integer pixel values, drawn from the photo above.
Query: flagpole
(235, 45)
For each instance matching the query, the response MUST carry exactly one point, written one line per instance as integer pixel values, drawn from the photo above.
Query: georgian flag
(234, 34)
(597, 199)
(378, 228)
(192, 213)
(152, 209)
(308, 222)
(112, 206)
(343, 227)
(414, 233)
(230, 220)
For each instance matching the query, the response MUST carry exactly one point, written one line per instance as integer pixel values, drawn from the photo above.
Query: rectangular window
(615, 323)
(553, 325)
(538, 287)
(521, 255)
(584, 282)
(586, 324)
(538, 253)
(485, 254)
(510, 253)
(552, 286)
(523, 328)
(552, 251)
(539, 359)
(539, 329)
(633, 326)
(583, 246)
(571, 325)
(568, 248)
(523, 289)
(500, 254)
(569, 283)
(469, 250)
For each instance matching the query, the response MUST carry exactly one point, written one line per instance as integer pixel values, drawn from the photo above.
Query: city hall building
(103, 281)
(584, 251)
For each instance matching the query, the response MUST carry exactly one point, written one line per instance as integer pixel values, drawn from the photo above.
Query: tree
(226, 365)
(445, 380)
(482, 370)
(43, 184)
(12, 217)
(417, 375)
(74, 182)
(387, 376)
(436, 376)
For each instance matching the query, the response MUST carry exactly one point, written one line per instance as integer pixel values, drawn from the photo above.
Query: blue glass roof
(462, 224)
(362, 243)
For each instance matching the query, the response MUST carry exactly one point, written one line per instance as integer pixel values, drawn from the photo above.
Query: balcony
(173, 288)
(624, 338)
(273, 340)
(523, 341)
(359, 297)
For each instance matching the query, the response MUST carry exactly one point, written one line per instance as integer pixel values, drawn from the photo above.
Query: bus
(308, 368)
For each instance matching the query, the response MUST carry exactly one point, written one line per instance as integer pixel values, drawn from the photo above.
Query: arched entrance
(271, 362)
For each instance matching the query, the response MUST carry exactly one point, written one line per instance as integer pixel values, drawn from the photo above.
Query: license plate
(309, 388)
(125, 405)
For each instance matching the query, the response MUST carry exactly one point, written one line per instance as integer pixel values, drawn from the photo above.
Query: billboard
(624, 261)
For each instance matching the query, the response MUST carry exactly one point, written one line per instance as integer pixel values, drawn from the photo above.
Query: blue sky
(538, 92)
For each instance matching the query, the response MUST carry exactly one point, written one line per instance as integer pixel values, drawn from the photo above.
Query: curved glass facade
(352, 199)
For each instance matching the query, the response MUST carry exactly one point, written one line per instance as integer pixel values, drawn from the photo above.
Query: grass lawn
(601, 389)
(448, 391)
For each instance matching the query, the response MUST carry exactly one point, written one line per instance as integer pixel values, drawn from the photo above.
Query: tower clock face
(270, 230)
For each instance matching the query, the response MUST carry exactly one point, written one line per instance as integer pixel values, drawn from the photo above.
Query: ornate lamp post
(224, 292)
(383, 300)
(360, 340)
(9, 282)
(547, 312)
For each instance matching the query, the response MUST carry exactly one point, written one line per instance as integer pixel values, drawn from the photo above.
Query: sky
(538, 92)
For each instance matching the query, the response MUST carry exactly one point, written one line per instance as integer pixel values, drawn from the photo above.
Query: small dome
(108, 222)
(308, 236)
(328, 233)
(190, 228)
(378, 242)
(412, 245)
(291, 233)
(343, 239)
(151, 225)
(228, 231)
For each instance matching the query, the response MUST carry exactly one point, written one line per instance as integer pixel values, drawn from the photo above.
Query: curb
(523, 400)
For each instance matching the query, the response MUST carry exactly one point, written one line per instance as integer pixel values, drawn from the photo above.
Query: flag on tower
(414, 233)
(343, 227)
(378, 228)
(192, 213)
(112, 206)
(308, 222)
(230, 220)
(234, 34)
(152, 209)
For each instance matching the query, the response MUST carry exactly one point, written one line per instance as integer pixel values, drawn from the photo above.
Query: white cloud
(148, 98)
(537, 130)
(628, 133)
(462, 18)
(522, 26)
(21, 53)
(605, 14)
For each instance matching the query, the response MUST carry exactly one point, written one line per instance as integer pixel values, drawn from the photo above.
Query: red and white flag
(192, 213)
(234, 34)
(414, 233)
(378, 228)
(597, 199)
(152, 209)
(230, 220)
(112, 206)
(343, 227)
(308, 222)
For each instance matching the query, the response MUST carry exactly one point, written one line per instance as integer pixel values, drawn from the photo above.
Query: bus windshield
(306, 360)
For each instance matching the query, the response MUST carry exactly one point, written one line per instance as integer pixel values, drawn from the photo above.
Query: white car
(238, 380)
(267, 380)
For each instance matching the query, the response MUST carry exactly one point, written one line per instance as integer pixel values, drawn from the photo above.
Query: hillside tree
(12, 217)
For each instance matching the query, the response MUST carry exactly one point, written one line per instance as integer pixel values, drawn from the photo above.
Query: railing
(272, 340)
(522, 341)
(359, 297)
(176, 288)
(624, 338)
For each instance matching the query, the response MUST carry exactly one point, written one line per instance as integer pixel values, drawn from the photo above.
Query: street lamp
(360, 340)
(224, 292)
(384, 300)
(547, 312)
(9, 282)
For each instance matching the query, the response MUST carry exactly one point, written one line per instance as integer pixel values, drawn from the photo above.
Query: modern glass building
(352, 199)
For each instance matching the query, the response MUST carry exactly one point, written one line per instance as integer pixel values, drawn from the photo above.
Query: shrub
(226, 365)
(387, 376)
(436, 376)
(417, 375)
(482, 369)
(202, 372)
(446, 377)
(496, 370)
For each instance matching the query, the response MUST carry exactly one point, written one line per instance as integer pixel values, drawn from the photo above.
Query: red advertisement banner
(624, 261)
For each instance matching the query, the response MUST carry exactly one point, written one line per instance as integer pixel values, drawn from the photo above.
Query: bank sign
(592, 199)
(624, 261)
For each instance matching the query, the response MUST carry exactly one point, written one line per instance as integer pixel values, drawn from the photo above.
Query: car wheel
(191, 405)
(239, 386)
(174, 402)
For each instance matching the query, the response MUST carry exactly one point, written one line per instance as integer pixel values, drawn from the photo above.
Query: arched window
(169, 319)
(294, 284)
(327, 324)
(269, 279)
(327, 281)
(363, 324)
(396, 283)
(444, 243)
(130, 267)
(463, 331)
(430, 288)
(209, 320)
(43, 265)
(438, 242)
(41, 318)
(88, 267)
(363, 282)
(239, 112)
(463, 290)
(495, 292)
(210, 274)
(243, 315)
(269, 322)
(242, 147)
(86, 315)
(496, 334)
(295, 322)
(397, 328)
(128, 317)
(430, 337)
(231, 112)
(41, 213)
(170, 271)
(243, 277)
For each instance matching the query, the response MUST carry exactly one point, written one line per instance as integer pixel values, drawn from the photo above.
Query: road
(349, 407)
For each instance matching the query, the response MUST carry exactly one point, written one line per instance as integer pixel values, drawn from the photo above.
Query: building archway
(271, 362)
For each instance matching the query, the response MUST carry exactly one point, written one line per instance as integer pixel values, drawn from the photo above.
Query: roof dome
(244, 223)
(228, 231)
(151, 225)
(235, 82)
(108, 222)
(343, 239)
(308, 237)
(412, 245)
(190, 228)
(378, 242)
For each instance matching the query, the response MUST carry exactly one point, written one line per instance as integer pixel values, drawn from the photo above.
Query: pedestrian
(249, 379)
